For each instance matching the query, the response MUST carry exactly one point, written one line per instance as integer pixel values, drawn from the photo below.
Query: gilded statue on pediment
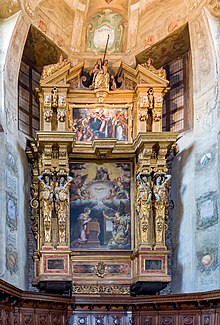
(51, 68)
(101, 76)
(160, 204)
(149, 66)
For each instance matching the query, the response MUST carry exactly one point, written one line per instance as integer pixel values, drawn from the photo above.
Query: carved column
(158, 94)
(152, 185)
(144, 118)
(51, 184)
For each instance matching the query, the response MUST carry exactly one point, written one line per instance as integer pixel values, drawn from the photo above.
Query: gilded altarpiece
(99, 196)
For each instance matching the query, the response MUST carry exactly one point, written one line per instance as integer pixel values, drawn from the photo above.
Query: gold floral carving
(101, 289)
(48, 113)
(34, 204)
(51, 68)
(61, 114)
(101, 269)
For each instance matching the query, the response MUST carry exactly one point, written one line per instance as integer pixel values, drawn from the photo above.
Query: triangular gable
(144, 75)
(141, 75)
(75, 71)
(57, 77)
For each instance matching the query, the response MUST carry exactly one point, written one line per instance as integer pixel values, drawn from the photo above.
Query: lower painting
(100, 205)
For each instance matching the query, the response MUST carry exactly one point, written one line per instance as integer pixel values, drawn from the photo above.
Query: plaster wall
(13, 163)
(195, 173)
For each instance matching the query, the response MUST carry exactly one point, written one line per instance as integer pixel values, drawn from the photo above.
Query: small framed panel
(106, 122)
(153, 264)
(167, 320)
(207, 319)
(100, 205)
(188, 320)
(148, 320)
(55, 264)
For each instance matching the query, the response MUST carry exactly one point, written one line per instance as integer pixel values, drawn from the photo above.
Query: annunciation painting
(94, 123)
(100, 205)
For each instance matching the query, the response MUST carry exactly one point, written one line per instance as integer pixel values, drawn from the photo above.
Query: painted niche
(102, 25)
(100, 205)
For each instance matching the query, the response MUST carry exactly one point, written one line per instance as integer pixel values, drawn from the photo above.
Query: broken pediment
(103, 77)
(143, 75)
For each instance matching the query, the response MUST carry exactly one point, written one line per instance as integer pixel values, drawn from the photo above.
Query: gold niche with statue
(99, 195)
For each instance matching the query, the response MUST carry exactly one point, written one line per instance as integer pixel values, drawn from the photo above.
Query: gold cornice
(108, 148)
(55, 137)
(88, 96)
(153, 137)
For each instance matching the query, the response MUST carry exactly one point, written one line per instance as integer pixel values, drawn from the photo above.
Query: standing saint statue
(144, 207)
(102, 77)
(46, 202)
(62, 205)
(161, 199)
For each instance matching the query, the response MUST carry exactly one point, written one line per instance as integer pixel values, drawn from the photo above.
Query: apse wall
(195, 176)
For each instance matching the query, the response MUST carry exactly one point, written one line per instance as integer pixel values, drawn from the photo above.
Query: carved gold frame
(132, 197)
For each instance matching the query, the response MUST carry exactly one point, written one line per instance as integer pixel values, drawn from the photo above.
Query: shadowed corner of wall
(1, 128)
(180, 161)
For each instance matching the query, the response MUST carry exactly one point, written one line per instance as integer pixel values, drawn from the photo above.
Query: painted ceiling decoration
(176, 44)
(108, 1)
(40, 49)
(9, 8)
(102, 25)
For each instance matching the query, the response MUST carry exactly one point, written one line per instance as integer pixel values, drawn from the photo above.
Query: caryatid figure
(160, 204)
(62, 205)
(144, 207)
(46, 205)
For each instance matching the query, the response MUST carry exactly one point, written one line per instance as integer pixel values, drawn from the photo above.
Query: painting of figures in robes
(100, 208)
(94, 123)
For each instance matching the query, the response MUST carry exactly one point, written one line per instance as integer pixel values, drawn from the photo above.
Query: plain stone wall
(195, 174)
(13, 162)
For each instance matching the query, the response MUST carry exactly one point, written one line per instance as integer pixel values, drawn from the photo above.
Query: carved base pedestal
(141, 288)
(56, 287)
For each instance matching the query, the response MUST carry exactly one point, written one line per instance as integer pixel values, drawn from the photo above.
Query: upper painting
(93, 123)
